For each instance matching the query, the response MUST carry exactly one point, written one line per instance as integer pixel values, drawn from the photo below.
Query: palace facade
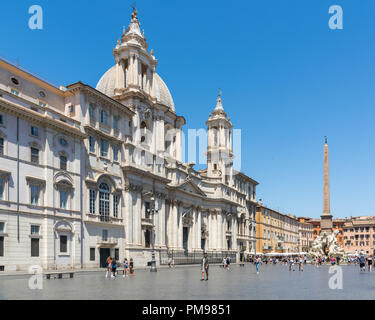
(87, 173)
(276, 233)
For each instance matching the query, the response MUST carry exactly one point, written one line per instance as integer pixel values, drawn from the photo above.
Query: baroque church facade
(87, 173)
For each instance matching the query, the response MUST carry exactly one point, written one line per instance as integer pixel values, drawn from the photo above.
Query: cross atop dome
(134, 13)
(219, 102)
(134, 27)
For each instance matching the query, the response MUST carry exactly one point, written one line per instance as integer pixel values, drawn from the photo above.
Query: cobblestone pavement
(183, 283)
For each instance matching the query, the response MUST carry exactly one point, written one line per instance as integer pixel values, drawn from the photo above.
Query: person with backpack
(114, 267)
(362, 263)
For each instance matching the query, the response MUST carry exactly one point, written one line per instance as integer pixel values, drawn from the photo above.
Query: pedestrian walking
(205, 266)
(126, 267)
(370, 259)
(338, 260)
(224, 263)
(108, 266)
(257, 263)
(362, 263)
(291, 264)
(131, 266)
(171, 263)
(114, 267)
(228, 263)
(300, 264)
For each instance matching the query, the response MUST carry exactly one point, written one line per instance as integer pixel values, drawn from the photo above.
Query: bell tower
(219, 144)
(135, 66)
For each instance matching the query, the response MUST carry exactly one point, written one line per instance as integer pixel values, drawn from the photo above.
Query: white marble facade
(86, 173)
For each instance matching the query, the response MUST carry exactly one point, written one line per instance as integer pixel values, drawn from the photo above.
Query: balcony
(110, 241)
(98, 219)
(147, 222)
(242, 236)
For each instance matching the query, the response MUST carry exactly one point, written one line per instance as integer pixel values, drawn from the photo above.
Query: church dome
(107, 85)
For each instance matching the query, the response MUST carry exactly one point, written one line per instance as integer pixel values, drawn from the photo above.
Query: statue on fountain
(326, 245)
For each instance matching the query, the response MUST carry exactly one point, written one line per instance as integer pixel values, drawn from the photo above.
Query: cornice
(34, 116)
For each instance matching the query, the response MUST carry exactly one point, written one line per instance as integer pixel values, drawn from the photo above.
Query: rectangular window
(105, 235)
(15, 92)
(1, 246)
(63, 162)
(34, 155)
(63, 244)
(2, 188)
(2, 227)
(35, 230)
(34, 131)
(63, 199)
(104, 148)
(92, 144)
(147, 210)
(103, 117)
(115, 206)
(35, 247)
(42, 104)
(91, 112)
(34, 194)
(115, 153)
(92, 254)
(92, 200)
(117, 254)
(115, 123)
(1, 146)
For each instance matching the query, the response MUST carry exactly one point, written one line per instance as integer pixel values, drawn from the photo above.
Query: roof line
(16, 65)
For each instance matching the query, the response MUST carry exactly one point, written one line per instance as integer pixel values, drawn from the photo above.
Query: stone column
(175, 225)
(128, 217)
(234, 232)
(218, 236)
(138, 219)
(192, 235)
(180, 226)
(118, 66)
(178, 144)
(198, 228)
(169, 235)
(162, 215)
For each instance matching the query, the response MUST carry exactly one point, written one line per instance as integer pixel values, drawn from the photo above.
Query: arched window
(104, 193)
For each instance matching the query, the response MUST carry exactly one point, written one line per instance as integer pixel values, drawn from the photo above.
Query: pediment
(191, 187)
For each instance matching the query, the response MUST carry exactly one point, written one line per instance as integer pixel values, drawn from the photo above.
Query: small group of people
(292, 262)
(112, 265)
(365, 260)
(226, 263)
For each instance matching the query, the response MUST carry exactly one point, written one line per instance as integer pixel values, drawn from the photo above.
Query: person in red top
(108, 267)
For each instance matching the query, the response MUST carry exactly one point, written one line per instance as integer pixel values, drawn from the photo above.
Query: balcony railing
(108, 241)
(103, 218)
(147, 222)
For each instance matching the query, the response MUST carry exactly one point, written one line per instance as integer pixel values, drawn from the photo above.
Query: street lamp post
(153, 261)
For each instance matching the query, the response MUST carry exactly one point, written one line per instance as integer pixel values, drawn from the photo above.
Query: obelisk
(326, 217)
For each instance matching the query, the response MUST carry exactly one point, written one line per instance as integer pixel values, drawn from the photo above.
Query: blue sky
(287, 80)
